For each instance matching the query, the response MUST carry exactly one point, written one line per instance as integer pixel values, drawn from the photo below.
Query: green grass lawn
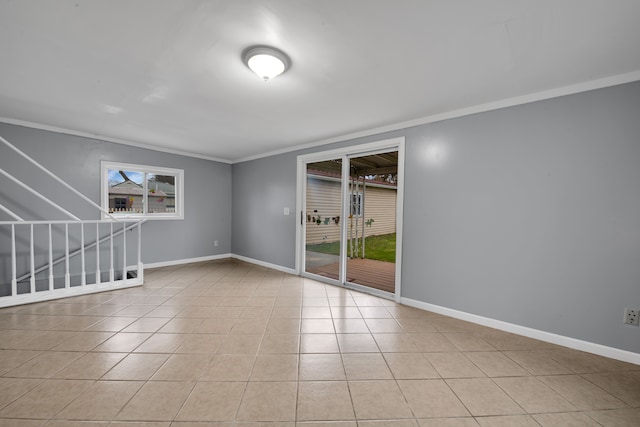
(381, 248)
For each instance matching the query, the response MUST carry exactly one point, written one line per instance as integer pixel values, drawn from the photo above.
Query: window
(356, 204)
(119, 204)
(137, 191)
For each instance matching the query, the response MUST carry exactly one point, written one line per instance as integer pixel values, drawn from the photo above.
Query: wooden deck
(367, 272)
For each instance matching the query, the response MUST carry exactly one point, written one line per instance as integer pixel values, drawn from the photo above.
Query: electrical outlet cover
(631, 317)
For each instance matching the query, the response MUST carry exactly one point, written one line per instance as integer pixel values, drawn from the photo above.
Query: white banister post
(98, 253)
(111, 275)
(124, 252)
(140, 267)
(84, 273)
(33, 266)
(67, 275)
(50, 259)
(14, 282)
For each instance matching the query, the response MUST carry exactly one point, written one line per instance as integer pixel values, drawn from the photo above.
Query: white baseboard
(264, 264)
(185, 261)
(589, 347)
(221, 256)
(68, 292)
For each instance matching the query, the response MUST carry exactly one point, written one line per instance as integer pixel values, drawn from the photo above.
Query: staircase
(48, 259)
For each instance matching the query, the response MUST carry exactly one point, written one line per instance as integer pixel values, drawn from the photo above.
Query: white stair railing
(87, 246)
(25, 289)
(24, 285)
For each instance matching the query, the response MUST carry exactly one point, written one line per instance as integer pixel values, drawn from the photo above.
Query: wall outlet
(215, 243)
(631, 317)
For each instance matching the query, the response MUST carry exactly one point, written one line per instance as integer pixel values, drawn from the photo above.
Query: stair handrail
(37, 194)
(10, 213)
(54, 176)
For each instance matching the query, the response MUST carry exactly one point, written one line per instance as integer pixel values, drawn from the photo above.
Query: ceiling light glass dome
(267, 62)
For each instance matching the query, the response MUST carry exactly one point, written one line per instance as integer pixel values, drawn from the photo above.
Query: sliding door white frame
(346, 154)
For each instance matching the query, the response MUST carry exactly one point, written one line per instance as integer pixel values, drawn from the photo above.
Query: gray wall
(261, 190)
(529, 214)
(207, 212)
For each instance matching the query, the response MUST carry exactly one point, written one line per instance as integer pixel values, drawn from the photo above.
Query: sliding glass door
(322, 218)
(348, 218)
(371, 228)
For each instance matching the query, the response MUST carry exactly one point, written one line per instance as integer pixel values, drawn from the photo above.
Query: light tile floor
(227, 343)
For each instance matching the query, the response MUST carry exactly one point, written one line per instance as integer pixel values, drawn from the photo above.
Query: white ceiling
(168, 73)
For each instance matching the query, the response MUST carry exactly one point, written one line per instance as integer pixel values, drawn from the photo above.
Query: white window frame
(356, 204)
(105, 166)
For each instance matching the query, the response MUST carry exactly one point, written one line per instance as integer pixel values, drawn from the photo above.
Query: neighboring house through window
(139, 191)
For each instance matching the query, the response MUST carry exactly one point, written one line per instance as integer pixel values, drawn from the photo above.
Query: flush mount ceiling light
(267, 62)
